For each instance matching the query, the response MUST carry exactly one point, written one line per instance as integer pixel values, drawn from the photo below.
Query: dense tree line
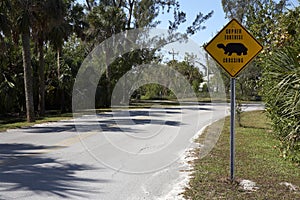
(276, 72)
(44, 42)
(188, 70)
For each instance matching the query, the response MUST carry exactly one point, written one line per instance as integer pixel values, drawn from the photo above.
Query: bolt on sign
(233, 47)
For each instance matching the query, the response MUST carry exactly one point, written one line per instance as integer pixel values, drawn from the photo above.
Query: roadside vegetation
(275, 74)
(11, 122)
(44, 42)
(257, 159)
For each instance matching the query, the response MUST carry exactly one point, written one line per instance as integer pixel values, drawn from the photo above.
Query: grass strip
(256, 159)
(19, 122)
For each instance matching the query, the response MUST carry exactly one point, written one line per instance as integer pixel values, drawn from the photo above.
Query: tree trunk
(58, 63)
(108, 78)
(41, 79)
(27, 76)
(88, 5)
(61, 91)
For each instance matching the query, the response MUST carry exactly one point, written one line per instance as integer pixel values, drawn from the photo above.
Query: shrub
(282, 96)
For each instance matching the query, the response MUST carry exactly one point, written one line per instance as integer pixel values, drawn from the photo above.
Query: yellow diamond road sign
(233, 47)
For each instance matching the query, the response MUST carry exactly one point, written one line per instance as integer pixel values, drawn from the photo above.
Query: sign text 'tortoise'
(233, 47)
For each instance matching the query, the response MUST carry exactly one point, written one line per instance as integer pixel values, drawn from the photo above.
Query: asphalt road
(136, 154)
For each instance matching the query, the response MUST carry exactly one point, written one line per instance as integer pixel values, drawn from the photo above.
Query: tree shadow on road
(23, 168)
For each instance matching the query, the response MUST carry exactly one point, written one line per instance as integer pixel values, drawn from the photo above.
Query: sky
(213, 24)
(192, 8)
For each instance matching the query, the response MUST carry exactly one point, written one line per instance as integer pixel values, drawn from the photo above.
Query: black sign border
(244, 66)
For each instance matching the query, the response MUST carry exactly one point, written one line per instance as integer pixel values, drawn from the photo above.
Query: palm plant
(66, 21)
(281, 82)
(21, 16)
(49, 25)
(282, 87)
(39, 32)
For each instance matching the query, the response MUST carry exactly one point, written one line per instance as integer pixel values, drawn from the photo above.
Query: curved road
(136, 154)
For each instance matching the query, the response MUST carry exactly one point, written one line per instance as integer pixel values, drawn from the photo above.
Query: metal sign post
(232, 124)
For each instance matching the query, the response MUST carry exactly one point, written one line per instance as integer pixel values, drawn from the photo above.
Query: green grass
(19, 122)
(257, 159)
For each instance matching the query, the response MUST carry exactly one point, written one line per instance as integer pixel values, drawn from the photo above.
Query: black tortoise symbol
(230, 48)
